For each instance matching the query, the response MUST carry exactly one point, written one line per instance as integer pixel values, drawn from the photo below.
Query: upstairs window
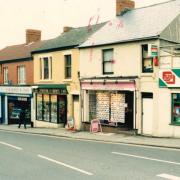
(147, 62)
(68, 66)
(46, 68)
(108, 61)
(5, 75)
(21, 75)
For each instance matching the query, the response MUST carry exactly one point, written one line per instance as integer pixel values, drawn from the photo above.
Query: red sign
(168, 77)
(95, 126)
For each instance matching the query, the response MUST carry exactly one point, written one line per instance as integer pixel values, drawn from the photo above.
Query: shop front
(111, 102)
(51, 105)
(13, 100)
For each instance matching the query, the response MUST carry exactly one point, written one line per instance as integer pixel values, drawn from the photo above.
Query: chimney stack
(66, 28)
(32, 35)
(122, 5)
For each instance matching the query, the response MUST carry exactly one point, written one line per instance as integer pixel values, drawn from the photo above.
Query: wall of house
(127, 59)
(12, 71)
(58, 75)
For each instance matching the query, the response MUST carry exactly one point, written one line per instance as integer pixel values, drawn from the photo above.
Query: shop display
(102, 105)
(39, 106)
(46, 107)
(118, 108)
(54, 108)
(107, 106)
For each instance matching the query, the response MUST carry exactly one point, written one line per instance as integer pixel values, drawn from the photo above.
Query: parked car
(15, 113)
(14, 116)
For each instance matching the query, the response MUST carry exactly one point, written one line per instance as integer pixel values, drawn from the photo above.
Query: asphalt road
(35, 157)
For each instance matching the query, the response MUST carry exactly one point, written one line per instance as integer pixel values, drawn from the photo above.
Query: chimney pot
(32, 35)
(122, 5)
(66, 28)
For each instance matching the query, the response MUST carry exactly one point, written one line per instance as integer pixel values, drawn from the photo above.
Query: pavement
(101, 137)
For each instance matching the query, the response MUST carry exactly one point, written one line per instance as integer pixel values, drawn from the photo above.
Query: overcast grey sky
(50, 16)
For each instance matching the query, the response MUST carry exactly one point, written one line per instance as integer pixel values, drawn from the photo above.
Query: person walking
(22, 119)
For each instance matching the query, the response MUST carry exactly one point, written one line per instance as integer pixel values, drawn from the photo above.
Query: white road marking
(147, 158)
(168, 176)
(10, 145)
(66, 165)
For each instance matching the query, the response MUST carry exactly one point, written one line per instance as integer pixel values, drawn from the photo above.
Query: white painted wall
(164, 115)
(127, 58)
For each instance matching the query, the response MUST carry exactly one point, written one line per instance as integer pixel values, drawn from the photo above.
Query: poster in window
(102, 105)
(46, 107)
(54, 108)
(118, 107)
(39, 106)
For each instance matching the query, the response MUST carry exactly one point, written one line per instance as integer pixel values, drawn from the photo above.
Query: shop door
(62, 106)
(76, 110)
(147, 115)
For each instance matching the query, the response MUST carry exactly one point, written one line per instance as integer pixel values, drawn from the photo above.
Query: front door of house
(147, 114)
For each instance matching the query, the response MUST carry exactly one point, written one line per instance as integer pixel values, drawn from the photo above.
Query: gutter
(119, 42)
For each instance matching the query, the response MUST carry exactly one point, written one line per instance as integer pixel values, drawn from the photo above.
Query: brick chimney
(32, 35)
(123, 5)
(66, 28)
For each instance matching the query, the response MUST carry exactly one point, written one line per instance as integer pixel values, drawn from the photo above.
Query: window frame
(42, 70)
(173, 121)
(5, 75)
(107, 62)
(21, 80)
(145, 59)
(68, 66)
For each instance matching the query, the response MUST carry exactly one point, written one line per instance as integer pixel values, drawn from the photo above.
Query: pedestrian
(22, 119)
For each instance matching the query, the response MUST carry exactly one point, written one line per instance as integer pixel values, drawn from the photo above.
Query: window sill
(147, 74)
(67, 80)
(45, 80)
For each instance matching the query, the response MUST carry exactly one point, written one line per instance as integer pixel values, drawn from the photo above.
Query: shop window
(147, 62)
(46, 68)
(21, 75)
(5, 75)
(106, 106)
(67, 66)
(108, 61)
(47, 106)
(176, 108)
(54, 108)
(39, 104)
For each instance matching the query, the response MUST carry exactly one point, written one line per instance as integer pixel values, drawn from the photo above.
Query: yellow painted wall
(58, 74)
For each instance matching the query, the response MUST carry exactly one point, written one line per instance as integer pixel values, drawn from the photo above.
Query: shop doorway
(129, 110)
(15, 106)
(76, 108)
(62, 109)
(147, 113)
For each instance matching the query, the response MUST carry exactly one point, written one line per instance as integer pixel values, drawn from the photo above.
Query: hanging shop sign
(169, 78)
(152, 50)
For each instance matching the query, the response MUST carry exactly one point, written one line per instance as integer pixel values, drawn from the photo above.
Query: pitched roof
(74, 37)
(18, 52)
(140, 23)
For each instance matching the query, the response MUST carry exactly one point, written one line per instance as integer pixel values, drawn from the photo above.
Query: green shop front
(51, 105)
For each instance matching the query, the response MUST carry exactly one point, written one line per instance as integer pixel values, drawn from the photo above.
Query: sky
(50, 16)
